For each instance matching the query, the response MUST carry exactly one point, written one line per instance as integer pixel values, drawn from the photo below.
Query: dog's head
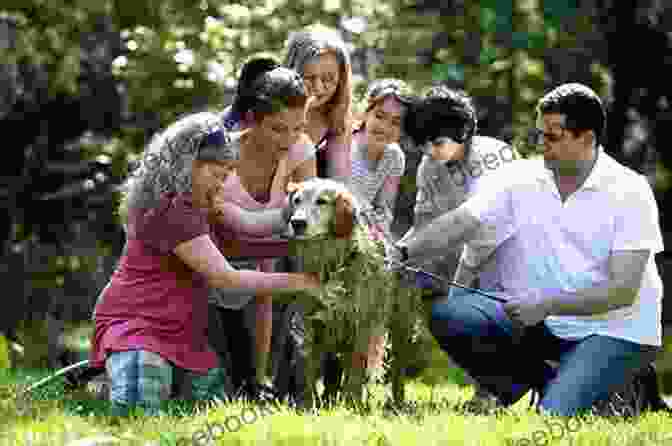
(323, 208)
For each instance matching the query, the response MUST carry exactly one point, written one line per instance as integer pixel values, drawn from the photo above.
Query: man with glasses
(443, 125)
(576, 237)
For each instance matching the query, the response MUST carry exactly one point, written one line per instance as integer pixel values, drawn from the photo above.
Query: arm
(637, 238)
(465, 274)
(305, 171)
(386, 198)
(304, 160)
(202, 255)
(257, 223)
(339, 157)
(426, 206)
(626, 270)
(485, 218)
(446, 232)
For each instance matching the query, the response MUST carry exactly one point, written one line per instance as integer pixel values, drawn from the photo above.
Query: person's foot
(629, 401)
(258, 392)
(482, 403)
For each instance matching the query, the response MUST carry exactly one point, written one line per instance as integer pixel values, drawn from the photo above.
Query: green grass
(56, 418)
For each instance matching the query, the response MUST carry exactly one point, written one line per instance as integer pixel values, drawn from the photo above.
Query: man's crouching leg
(476, 333)
(591, 370)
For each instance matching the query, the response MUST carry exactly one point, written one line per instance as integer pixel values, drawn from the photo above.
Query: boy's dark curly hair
(442, 111)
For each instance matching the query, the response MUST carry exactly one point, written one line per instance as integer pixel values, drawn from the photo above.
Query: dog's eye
(297, 200)
(321, 202)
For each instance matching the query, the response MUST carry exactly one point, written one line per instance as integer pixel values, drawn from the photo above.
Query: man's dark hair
(442, 111)
(581, 106)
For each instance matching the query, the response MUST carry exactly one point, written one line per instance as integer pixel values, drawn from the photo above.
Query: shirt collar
(595, 178)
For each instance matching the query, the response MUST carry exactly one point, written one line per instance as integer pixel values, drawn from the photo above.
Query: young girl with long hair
(319, 54)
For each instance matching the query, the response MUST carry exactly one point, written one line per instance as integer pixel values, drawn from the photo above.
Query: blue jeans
(145, 379)
(478, 335)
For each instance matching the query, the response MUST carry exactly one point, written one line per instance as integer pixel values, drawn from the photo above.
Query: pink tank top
(264, 246)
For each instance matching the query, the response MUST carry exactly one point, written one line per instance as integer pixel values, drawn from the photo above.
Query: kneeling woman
(151, 322)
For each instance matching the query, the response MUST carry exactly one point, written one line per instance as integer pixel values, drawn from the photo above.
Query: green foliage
(171, 57)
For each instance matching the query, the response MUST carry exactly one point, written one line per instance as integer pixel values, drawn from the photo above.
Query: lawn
(54, 417)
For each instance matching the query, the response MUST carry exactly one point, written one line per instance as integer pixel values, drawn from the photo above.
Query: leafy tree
(84, 84)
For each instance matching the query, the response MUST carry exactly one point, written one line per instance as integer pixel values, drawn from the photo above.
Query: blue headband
(217, 145)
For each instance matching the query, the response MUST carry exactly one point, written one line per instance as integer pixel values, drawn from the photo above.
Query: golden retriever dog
(360, 296)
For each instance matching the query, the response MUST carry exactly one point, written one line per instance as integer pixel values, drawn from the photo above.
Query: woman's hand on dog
(307, 281)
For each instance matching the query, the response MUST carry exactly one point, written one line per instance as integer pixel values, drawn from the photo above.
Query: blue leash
(444, 280)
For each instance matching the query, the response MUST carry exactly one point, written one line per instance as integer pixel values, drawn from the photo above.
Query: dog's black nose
(299, 226)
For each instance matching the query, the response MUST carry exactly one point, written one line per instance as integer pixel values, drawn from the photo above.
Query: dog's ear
(344, 216)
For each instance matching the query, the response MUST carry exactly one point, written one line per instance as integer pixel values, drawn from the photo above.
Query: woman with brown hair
(270, 104)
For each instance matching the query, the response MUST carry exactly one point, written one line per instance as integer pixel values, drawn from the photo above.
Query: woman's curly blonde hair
(166, 163)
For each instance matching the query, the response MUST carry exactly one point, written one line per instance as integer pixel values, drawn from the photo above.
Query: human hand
(427, 282)
(396, 257)
(529, 309)
(309, 281)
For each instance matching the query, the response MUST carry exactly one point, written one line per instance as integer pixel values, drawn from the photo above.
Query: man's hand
(394, 263)
(428, 282)
(529, 309)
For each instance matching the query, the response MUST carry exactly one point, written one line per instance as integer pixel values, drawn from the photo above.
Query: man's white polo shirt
(543, 243)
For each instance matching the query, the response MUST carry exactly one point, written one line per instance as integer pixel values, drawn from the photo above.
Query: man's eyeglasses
(537, 137)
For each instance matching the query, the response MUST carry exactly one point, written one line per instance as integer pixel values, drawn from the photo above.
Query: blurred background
(85, 83)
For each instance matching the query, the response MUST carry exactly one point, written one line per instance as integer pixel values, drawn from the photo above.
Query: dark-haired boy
(444, 125)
